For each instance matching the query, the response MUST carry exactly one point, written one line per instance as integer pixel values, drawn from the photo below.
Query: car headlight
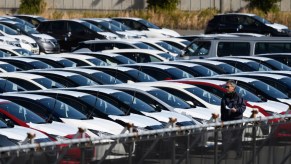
(43, 40)
(24, 41)
(100, 133)
(57, 137)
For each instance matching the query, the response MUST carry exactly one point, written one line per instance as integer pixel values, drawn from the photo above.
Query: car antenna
(92, 111)
(115, 74)
(54, 106)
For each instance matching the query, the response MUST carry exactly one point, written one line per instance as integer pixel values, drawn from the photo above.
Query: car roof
(135, 87)
(89, 71)
(54, 58)
(112, 41)
(99, 53)
(167, 84)
(273, 75)
(104, 90)
(131, 18)
(121, 68)
(26, 95)
(20, 59)
(182, 63)
(246, 14)
(70, 55)
(206, 61)
(134, 50)
(64, 92)
(152, 65)
(256, 57)
(232, 59)
(22, 75)
(61, 73)
(217, 82)
(244, 79)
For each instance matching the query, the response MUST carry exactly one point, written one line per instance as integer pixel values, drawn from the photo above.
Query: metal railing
(191, 5)
(264, 140)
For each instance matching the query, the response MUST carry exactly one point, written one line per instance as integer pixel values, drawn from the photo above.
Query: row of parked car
(106, 84)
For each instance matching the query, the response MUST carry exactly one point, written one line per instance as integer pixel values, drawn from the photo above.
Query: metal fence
(191, 5)
(264, 141)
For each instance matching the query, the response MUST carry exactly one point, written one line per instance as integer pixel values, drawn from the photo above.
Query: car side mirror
(9, 123)
(158, 107)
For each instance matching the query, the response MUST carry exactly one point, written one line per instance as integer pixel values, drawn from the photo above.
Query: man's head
(230, 86)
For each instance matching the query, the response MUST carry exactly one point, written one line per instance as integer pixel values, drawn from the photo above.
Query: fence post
(215, 117)
(254, 115)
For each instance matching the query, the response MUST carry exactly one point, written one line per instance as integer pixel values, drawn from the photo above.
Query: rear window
(198, 49)
(261, 48)
(233, 49)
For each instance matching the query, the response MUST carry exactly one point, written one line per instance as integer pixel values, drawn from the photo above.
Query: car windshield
(23, 52)
(169, 47)
(61, 109)
(178, 73)
(104, 78)
(140, 76)
(81, 80)
(204, 71)
(269, 90)
(198, 48)
(47, 83)
(102, 106)
(21, 113)
(167, 56)
(7, 86)
(245, 94)
(92, 27)
(40, 65)
(67, 63)
(133, 102)
(169, 99)
(144, 46)
(4, 54)
(124, 60)
(2, 124)
(278, 65)
(120, 25)
(262, 20)
(204, 95)
(110, 26)
(186, 42)
(97, 62)
(148, 24)
(8, 30)
(258, 67)
(228, 68)
(8, 67)
(27, 29)
(286, 81)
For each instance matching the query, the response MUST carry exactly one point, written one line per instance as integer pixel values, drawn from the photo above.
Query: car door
(228, 24)
(249, 25)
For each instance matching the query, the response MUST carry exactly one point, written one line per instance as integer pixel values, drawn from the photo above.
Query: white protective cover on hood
(198, 112)
(55, 128)
(277, 26)
(96, 124)
(137, 120)
(164, 116)
(20, 133)
(272, 106)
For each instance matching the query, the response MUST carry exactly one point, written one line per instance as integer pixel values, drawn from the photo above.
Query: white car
(137, 105)
(30, 81)
(172, 102)
(151, 30)
(25, 41)
(108, 27)
(81, 60)
(102, 108)
(142, 55)
(15, 51)
(4, 40)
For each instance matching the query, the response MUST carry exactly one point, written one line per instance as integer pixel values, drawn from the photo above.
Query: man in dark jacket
(232, 108)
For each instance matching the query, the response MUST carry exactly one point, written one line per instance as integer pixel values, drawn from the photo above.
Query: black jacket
(232, 100)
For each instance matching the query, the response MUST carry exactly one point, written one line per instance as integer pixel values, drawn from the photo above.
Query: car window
(58, 26)
(76, 28)
(25, 84)
(198, 48)
(261, 48)
(233, 49)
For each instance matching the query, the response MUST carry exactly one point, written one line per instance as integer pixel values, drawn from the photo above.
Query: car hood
(166, 32)
(164, 116)
(139, 33)
(20, 133)
(43, 36)
(198, 112)
(109, 34)
(288, 101)
(277, 26)
(55, 128)
(272, 106)
(24, 37)
(97, 124)
(137, 120)
(127, 34)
